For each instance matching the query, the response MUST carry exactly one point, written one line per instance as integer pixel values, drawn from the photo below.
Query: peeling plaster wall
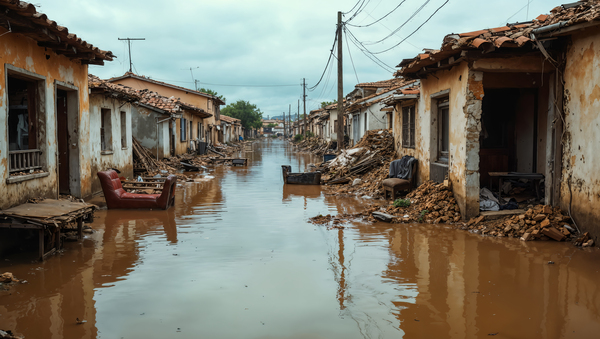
(582, 131)
(121, 157)
(143, 121)
(397, 131)
(465, 93)
(23, 53)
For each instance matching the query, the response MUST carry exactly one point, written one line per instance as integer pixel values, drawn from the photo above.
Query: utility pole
(129, 45)
(304, 99)
(289, 111)
(283, 125)
(298, 117)
(290, 124)
(340, 106)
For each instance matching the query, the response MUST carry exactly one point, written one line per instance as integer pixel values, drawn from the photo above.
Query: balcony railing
(26, 160)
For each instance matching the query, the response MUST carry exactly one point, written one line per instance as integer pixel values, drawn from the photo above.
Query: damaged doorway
(67, 122)
(509, 140)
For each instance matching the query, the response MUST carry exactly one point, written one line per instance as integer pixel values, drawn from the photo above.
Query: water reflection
(237, 258)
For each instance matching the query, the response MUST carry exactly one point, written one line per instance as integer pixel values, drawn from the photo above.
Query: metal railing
(24, 160)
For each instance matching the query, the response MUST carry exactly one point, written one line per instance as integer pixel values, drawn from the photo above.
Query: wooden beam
(22, 226)
(93, 62)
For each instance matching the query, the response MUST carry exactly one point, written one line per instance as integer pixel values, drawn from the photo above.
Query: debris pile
(7, 278)
(539, 222)
(368, 161)
(8, 335)
(431, 203)
(317, 146)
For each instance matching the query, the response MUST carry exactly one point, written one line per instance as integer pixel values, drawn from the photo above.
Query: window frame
(443, 116)
(106, 130)
(408, 126)
(123, 121)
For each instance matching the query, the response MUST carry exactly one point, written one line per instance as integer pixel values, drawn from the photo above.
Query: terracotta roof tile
(57, 37)
(516, 35)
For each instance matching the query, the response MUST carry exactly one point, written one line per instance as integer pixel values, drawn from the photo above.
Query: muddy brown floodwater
(237, 258)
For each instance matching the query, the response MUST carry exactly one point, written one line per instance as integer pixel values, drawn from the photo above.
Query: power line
(401, 26)
(328, 61)
(351, 60)
(519, 11)
(229, 85)
(353, 7)
(383, 17)
(415, 31)
(368, 53)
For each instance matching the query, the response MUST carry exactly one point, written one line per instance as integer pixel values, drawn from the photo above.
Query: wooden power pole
(289, 111)
(340, 105)
(283, 125)
(304, 100)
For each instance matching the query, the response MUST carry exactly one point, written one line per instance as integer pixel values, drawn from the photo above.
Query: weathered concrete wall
(120, 156)
(23, 53)
(143, 126)
(463, 121)
(582, 132)
(181, 147)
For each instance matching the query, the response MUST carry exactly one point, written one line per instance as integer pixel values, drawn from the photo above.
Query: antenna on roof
(129, 45)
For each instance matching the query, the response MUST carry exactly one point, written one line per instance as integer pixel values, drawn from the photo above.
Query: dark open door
(63, 142)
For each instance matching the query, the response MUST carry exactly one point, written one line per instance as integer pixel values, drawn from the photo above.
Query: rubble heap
(368, 161)
(431, 203)
(317, 146)
(539, 222)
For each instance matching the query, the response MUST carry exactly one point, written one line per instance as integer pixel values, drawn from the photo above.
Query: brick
(545, 223)
(553, 233)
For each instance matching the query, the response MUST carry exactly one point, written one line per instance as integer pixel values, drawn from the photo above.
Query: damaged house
(366, 110)
(519, 98)
(201, 127)
(45, 148)
(110, 136)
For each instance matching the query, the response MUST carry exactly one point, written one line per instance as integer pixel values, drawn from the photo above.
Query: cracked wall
(580, 162)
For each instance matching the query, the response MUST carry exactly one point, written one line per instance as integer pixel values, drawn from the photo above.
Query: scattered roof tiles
(377, 97)
(22, 18)
(96, 84)
(229, 119)
(511, 35)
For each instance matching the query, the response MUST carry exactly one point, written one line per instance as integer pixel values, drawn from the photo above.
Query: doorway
(67, 139)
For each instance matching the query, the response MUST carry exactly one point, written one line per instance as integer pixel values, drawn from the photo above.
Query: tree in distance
(327, 103)
(211, 92)
(249, 114)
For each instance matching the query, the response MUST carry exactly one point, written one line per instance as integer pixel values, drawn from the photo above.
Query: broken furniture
(117, 198)
(189, 167)
(308, 178)
(49, 217)
(241, 162)
(406, 181)
(534, 177)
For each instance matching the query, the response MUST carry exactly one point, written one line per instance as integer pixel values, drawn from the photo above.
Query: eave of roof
(22, 18)
(512, 36)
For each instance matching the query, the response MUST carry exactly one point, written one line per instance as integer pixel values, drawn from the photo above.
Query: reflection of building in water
(468, 287)
(63, 288)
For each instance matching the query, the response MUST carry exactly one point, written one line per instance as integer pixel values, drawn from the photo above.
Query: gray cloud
(266, 42)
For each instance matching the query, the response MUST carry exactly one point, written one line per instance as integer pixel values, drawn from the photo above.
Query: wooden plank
(21, 226)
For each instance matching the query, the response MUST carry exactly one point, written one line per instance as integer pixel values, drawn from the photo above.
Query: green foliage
(327, 103)
(211, 92)
(271, 125)
(249, 114)
(423, 212)
(402, 203)
(274, 136)
(298, 137)
(310, 134)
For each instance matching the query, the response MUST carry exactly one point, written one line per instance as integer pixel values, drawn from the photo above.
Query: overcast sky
(233, 46)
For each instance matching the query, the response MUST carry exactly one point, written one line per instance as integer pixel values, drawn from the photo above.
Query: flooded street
(237, 258)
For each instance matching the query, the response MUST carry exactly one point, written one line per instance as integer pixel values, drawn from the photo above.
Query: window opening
(444, 129)
(408, 127)
(123, 129)
(105, 129)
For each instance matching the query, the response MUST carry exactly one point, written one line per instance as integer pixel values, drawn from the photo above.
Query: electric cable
(352, 61)
(415, 31)
(383, 17)
(401, 26)
(328, 61)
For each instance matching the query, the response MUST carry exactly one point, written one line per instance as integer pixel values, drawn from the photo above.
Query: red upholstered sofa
(117, 198)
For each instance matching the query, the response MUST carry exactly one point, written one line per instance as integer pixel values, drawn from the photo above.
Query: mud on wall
(25, 58)
(117, 155)
(582, 132)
